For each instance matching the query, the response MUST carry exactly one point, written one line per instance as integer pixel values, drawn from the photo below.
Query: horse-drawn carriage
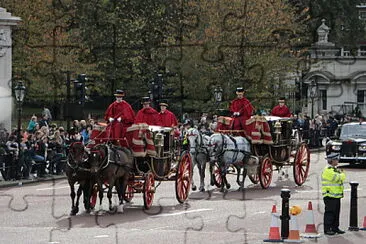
(272, 143)
(156, 156)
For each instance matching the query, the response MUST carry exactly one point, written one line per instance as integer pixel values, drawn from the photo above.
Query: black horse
(111, 165)
(77, 169)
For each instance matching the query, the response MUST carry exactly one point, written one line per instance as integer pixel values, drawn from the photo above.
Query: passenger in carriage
(166, 117)
(119, 115)
(281, 110)
(147, 114)
(241, 110)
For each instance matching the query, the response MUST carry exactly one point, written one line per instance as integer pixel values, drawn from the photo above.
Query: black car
(351, 143)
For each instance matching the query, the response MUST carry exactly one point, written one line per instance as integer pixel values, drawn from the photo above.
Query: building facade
(336, 81)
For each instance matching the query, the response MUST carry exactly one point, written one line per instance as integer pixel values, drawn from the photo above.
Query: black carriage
(164, 161)
(287, 149)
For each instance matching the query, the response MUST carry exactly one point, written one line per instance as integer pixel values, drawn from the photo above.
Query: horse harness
(226, 149)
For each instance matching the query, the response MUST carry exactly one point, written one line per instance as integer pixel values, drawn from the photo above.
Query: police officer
(332, 190)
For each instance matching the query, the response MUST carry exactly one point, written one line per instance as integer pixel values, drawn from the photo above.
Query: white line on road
(101, 236)
(51, 188)
(182, 212)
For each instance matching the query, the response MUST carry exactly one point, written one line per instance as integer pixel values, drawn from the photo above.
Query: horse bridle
(77, 163)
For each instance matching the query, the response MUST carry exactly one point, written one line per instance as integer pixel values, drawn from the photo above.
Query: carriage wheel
(301, 164)
(254, 178)
(94, 196)
(183, 178)
(149, 190)
(129, 193)
(266, 172)
(216, 175)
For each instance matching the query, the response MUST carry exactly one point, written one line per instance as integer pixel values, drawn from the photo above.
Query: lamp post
(218, 94)
(19, 91)
(313, 95)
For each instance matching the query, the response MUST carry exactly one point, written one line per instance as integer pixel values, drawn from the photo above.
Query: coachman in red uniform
(281, 110)
(241, 110)
(167, 118)
(119, 115)
(147, 114)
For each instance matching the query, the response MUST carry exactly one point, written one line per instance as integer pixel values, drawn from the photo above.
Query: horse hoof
(194, 188)
(228, 186)
(202, 189)
(113, 209)
(74, 211)
(120, 208)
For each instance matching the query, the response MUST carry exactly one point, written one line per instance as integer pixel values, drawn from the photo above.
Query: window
(360, 96)
(323, 99)
(362, 14)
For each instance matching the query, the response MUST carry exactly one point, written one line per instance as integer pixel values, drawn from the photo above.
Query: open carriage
(276, 145)
(157, 157)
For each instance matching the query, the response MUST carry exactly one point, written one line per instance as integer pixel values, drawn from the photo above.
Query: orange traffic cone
(294, 233)
(364, 224)
(274, 230)
(310, 228)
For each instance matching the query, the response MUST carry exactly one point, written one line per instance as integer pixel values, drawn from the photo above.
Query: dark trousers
(331, 213)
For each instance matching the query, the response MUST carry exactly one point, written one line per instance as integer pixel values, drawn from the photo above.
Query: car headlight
(336, 147)
(362, 147)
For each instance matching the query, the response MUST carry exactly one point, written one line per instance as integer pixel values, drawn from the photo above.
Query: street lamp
(218, 94)
(19, 91)
(313, 95)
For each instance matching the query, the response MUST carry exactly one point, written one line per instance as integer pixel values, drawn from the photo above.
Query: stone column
(6, 22)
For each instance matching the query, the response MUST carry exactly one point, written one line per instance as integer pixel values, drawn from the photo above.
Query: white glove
(236, 113)
(110, 120)
(119, 119)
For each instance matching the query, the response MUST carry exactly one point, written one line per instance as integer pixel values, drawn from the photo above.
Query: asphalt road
(38, 213)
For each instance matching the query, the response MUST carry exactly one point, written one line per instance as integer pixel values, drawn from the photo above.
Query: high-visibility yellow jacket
(332, 182)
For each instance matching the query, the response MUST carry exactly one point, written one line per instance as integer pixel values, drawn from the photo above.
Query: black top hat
(282, 99)
(145, 100)
(240, 90)
(164, 103)
(119, 93)
(332, 156)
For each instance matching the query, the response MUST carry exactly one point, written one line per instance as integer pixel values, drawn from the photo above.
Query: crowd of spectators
(41, 149)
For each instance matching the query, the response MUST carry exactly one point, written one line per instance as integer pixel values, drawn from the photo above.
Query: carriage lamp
(278, 130)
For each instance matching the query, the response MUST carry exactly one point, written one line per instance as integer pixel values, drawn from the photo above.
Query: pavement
(12, 183)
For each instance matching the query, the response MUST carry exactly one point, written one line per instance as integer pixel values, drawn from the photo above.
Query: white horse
(198, 149)
(228, 150)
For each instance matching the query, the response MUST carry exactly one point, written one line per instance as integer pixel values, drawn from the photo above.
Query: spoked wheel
(254, 178)
(149, 190)
(183, 178)
(266, 172)
(129, 193)
(301, 164)
(216, 175)
(94, 196)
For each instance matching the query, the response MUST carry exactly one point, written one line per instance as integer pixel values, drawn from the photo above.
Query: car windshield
(353, 131)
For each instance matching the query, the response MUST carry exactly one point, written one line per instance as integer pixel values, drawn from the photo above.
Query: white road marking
(101, 236)
(182, 212)
(51, 188)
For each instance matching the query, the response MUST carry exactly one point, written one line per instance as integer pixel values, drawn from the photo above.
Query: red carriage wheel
(217, 177)
(94, 196)
(266, 172)
(149, 190)
(301, 164)
(129, 193)
(183, 178)
(254, 178)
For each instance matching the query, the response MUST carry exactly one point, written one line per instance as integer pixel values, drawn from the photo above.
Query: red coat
(121, 110)
(279, 111)
(245, 110)
(148, 115)
(167, 119)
